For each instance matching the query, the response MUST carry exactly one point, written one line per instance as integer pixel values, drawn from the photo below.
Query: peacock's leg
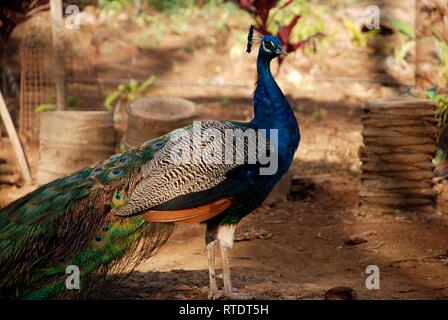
(226, 270)
(211, 241)
(225, 238)
(213, 292)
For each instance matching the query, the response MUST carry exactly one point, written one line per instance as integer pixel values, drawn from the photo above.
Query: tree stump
(72, 140)
(152, 117)
(399, 139)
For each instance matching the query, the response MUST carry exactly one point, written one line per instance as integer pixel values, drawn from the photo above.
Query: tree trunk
(58, 54)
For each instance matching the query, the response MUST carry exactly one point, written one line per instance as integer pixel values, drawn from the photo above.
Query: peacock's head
(270, 46)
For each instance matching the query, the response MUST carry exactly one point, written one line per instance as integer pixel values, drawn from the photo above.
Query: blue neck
(271, 108)
(272, 111)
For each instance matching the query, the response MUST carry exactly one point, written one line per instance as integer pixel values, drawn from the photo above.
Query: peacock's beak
(281, 50)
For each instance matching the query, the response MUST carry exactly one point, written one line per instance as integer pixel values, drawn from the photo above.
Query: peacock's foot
(232, 295)
(237, 295)
(215, 294)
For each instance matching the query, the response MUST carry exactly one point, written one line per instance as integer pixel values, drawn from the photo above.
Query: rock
(143, 294)
(369, 233)
(301, 188)
(280, 192)
(183, 287)
(355, 240)
(252, 234)
(441, 170)
(341, 293)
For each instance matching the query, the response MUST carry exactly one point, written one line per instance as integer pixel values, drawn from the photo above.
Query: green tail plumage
(68, 222)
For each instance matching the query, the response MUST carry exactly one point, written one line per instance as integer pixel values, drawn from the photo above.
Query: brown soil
(304, 253)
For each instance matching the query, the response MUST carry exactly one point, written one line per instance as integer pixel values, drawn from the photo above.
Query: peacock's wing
(68, 221)
(197, 174)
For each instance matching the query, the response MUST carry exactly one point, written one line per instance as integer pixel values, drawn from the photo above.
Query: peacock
(107, 218)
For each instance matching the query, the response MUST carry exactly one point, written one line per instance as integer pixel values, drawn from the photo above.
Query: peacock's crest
(253, 38)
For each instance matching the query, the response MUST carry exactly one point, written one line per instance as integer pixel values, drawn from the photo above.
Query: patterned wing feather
(172, 176)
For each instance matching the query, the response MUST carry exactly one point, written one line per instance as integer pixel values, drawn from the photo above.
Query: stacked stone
(399, 144)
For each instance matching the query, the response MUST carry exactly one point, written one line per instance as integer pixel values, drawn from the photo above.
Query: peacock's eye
(268, 46)
(118, 199)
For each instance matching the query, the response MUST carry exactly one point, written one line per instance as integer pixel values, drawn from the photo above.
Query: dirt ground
(295, 249)
(300, 250)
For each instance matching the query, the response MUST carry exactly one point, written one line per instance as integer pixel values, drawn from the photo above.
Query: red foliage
(260, 9)
(284, 33)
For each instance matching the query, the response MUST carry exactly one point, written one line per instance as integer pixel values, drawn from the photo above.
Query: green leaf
(74, 101)
(52, 96)
(403, 50)
(131, 97)
(439, 158)
(225, 101)
(403, 27)
(133, 85)
(435, 33)
(146, 84)
(358, 36)
(45, 107)
(431, 94)
(110, 99)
